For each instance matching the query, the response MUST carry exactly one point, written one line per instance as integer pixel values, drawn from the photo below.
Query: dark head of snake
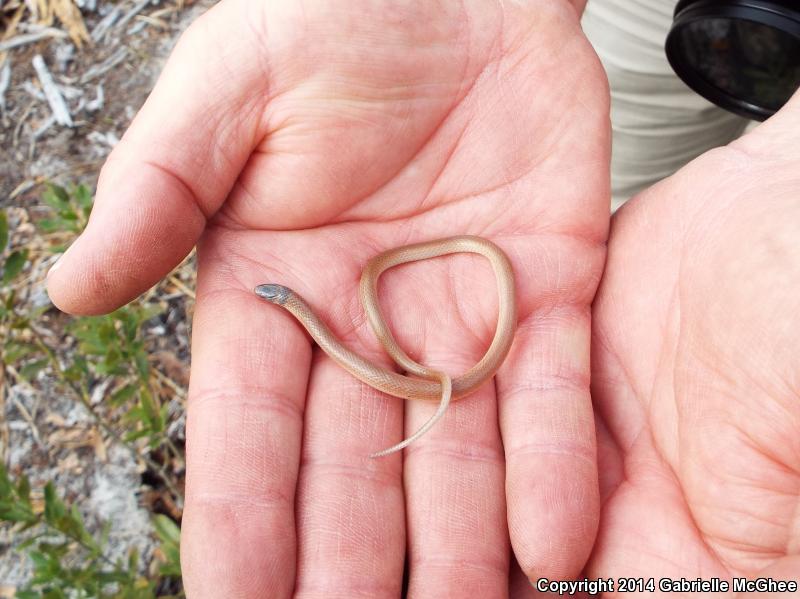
(276, 294)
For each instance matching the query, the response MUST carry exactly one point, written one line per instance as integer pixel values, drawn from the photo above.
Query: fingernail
(58, 263)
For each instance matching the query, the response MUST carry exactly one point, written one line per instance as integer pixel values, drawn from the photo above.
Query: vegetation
(110, 353)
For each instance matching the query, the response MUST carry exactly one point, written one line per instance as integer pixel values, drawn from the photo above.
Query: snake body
(433, 384)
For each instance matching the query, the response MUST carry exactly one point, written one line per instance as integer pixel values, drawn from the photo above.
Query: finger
(458, 540)
(351, 517)
(519, 587)
(548, 435)
(169, 173)
(785, 570)
(454, 475)
(250, 365)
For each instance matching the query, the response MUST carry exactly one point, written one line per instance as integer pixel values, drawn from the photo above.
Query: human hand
(298, 142)
(695, 376)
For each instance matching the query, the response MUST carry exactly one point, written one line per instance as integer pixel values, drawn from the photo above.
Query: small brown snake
(434, 384)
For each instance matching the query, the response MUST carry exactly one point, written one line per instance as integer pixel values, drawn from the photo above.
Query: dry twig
(52, 93)
(29, 38)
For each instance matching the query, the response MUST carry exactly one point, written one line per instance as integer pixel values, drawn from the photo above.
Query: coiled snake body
(433, 384)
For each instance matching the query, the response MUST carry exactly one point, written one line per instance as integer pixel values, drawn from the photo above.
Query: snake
(426, 383)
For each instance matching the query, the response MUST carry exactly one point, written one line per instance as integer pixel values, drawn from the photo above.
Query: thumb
(172, 169)
(776, 138)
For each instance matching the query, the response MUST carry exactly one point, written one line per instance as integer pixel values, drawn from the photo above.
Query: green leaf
(107, 333)
(14, 264)
(122, 395)
(20, 323)
(109, 576)
(142, 366)
(31, 369)
(56, 197)
(15, 350)
(83, 195)
(6, 488)
(41, 561)
(79, 528)
(78, 371)
(150, 311)
(168, 532)
(50, 225)
(54, 508)
(133, 435)
(151, 412)
(133, 560)
(24, 490)
(10, 300)
(104, 534)
(3, 230)
(170, 536)
(109, 364)
(16, 513)
(29, 541)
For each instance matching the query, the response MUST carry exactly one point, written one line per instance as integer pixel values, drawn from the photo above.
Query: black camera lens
(741, 55)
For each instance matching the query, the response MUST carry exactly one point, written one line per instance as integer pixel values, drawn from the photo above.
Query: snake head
(276, 294)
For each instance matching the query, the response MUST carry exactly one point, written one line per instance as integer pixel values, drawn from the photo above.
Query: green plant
(112, 346)
(108, 346)
(69, 561)
(17, 345)
(111, 351)
(14, 261)
(71, 207)
(170, 536)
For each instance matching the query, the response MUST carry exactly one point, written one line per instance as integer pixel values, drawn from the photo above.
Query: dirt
(28, 155)
(50, 436)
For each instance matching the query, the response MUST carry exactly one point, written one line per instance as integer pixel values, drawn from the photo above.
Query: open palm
(296, 142)
(695, 374)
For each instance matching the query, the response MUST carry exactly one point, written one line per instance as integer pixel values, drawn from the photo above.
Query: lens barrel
(743, 55)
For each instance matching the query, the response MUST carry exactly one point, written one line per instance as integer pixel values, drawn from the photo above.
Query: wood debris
(5, 79)
(97, 103)
(105, 24)
(52, 93)
(101, 69)
(11, 29)
(70, 16)
(73, 438)
(138, 7)
(29, 38)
